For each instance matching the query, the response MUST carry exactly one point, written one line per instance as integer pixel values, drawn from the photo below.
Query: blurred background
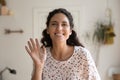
(24, 19)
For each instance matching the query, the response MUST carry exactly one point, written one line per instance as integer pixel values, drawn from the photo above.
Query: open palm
(37, 53)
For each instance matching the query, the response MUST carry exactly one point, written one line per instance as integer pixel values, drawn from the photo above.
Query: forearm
(37, 74)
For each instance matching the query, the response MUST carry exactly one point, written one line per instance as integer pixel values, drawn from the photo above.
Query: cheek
(49, 30)
(51, 33)
(69, 32)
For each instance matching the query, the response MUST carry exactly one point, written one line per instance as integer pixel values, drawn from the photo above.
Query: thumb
(44, 54)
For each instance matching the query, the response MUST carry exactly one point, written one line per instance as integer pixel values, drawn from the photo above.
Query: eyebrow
(62, 22)
(53, 21)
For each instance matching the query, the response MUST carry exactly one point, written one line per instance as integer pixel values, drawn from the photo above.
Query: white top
(80, 66)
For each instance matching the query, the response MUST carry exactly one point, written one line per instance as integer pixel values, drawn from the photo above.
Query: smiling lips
(59, 34)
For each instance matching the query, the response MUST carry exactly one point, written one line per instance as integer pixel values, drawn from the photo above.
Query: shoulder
(82, 50)
(88, 63)
(83, 53)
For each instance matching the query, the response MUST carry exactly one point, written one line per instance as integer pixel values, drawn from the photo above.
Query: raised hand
(37, 53)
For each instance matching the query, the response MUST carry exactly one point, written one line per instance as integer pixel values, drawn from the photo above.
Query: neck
(60, 45)
(61, 51)
(59, 48)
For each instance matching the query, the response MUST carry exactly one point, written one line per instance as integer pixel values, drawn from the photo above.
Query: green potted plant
(104, 34)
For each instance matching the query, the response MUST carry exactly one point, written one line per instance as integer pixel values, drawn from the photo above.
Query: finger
(29, 52)
(44, 49)
(33, 43)
(37, 44)
(44, 55)
(30, 46)
(27, 49)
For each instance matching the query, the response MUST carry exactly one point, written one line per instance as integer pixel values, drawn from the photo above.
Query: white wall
(13, 54)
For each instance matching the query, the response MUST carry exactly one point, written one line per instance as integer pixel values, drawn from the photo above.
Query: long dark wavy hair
(72, 40)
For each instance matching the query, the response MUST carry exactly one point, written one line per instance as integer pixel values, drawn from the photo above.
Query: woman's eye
(54, 24)
(64, 25)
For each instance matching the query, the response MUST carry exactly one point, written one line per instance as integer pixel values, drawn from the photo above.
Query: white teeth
(58, 34)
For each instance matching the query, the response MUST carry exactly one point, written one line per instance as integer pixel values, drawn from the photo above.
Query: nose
(59, 27)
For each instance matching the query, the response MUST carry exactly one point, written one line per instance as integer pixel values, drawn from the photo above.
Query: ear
(47, 31)
(70, 32)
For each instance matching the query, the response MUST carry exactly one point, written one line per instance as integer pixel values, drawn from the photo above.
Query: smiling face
(59, 28)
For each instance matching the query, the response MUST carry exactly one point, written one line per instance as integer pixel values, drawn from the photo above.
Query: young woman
(62, 56)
